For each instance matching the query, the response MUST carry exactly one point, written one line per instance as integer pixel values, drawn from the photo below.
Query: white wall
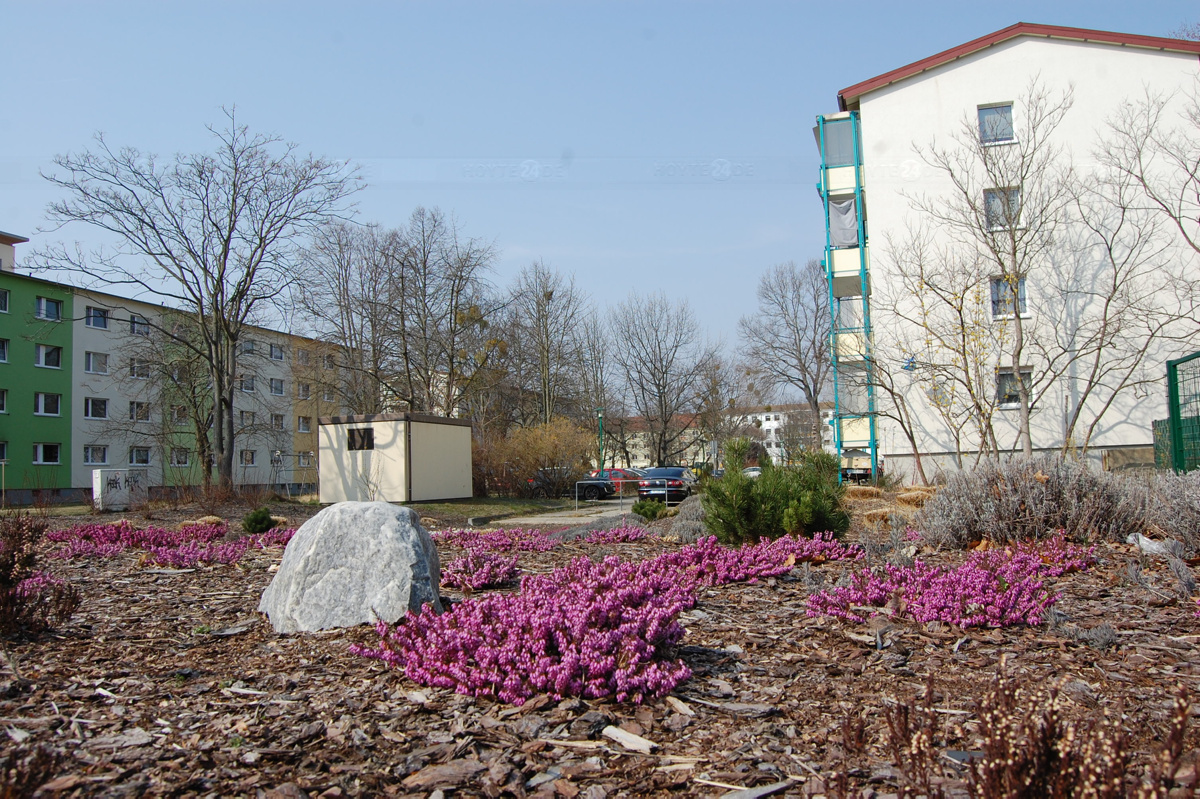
(933, 107)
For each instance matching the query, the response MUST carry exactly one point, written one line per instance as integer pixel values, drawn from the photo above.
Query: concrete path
(588, 511)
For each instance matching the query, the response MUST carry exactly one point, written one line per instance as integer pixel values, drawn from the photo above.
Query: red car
(618, 476)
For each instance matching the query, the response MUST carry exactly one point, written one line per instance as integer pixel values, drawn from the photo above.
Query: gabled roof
(848, 97)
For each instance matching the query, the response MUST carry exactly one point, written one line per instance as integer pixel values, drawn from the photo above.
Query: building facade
(928, 170)
(92, 381)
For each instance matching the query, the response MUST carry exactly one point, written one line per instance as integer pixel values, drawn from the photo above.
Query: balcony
(839, 181)
(850, 346)
(855, 432)
(845, 276)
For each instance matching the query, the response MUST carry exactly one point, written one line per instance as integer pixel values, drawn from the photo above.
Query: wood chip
(680, 706)
(630, 741)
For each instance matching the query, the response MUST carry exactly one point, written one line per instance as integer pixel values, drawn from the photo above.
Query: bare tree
(661, 354)
(1006, 205)
(212, 234)
(727, 390)
(787, 340)
(547, 310)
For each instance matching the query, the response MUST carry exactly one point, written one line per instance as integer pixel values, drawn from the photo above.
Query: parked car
(752, 471)
(667, 484)
(625, 478)
(561, 483)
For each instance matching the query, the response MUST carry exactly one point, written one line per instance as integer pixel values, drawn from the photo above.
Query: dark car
(626, 479)
(559, 482)
(667, 484)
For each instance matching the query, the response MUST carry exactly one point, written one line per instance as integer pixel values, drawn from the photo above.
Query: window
(303, 357)
(304, 459)
(3, 300)
(1006, 302)
(277, 421)
(139, 325)
(327, 395)
(47, 356)
(3, 400)
(247, 457)
(277, 387)
(47, 453)
(139, 456)
(247, 383)
(303, 391)
(48, 309)
(361, 438)
(139, 368)
(1002, 208)
(3, 350)
(329, 362)
(276, 352)
(304, 424)
(95, 456)
(246, 418)
(96, 317)
(1007, 391)
(95, 363)
(995, 123)
(139, 411)
(95, 408)
(3, 450)
(179, 415)
(248, 347)
(179, 456)
(47, 404)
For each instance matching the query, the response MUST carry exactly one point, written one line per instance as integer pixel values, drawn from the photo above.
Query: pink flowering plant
(31, 600)
(478, 570)
(514, 540)
(186, 547)
(992, 588)
(616, 535)
(589, 629)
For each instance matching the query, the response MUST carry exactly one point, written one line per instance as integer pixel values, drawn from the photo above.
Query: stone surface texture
(353, 563)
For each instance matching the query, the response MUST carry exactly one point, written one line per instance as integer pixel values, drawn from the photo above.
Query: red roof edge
(851, 93)
(10, 238)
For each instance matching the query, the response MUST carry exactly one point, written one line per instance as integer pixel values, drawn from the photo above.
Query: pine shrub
(649, 509)
(258, 521)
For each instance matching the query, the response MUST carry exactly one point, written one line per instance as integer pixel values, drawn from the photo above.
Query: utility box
(393, 457)
(119, 489)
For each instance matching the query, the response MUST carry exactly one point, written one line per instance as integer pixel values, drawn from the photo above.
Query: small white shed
(393, 457)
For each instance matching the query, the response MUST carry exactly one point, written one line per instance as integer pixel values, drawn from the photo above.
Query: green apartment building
(35, 383)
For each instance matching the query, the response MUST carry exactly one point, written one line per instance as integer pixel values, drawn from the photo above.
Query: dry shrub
(503, 465)
(1170, 506)
(30, 600)
(1022, 499)
(862, 492)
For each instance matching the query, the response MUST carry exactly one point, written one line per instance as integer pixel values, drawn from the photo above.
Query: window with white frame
(139, 368)
(1007, 390)
(180, 456)
(3, 350)
(47, 454)
(139, 411)
(329, 362)
(3, 300)
(95, 408)
(327, 395)
(179, 415)
(47, 404)
(139, 325)
(96, 317)
(1006, 301)
(3, 400)
(276, 352)
(277, 386)
(303, 357)
(139, 456)
(303, 391)
(246, 383)
(46, 308)
(47, 356)
(95, 363)
(304, 459)
(247, 457)
(996, 123)
(248, 347)
(95, 455)
(304, 424)
(277, 421)
(1002, 208)
(246, 418)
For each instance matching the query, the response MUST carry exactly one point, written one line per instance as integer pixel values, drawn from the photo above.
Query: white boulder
(353, 563)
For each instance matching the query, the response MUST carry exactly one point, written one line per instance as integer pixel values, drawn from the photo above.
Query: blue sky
(584, 134)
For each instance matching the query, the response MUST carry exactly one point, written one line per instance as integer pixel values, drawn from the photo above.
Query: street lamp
(600, 420)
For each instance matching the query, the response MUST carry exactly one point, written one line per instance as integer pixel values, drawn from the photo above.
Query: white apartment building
(892, 258)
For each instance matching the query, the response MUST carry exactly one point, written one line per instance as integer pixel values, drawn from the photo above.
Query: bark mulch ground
(170, 683)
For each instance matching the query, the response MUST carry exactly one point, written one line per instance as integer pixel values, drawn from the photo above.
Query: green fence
(1181, 429)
